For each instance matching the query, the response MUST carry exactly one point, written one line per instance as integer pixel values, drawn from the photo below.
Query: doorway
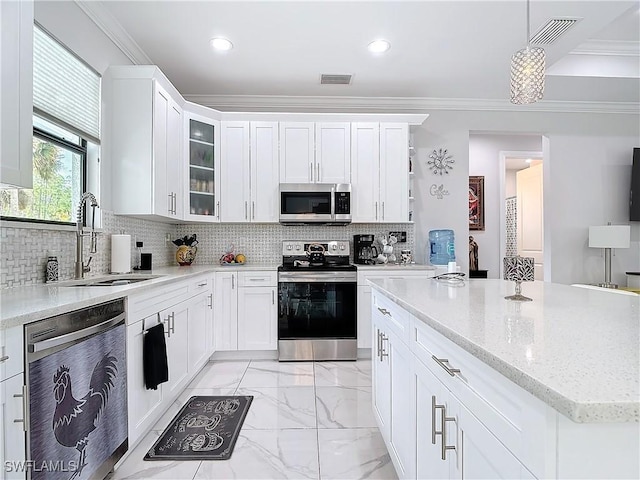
(521, 207)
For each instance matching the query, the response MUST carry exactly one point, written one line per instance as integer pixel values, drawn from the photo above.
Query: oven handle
(71, 337)
(317, 277)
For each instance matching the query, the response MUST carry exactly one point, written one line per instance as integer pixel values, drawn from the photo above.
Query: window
(66, 136)
(59, 165)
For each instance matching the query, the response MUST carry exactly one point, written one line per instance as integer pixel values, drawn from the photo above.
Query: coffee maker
(364, 252)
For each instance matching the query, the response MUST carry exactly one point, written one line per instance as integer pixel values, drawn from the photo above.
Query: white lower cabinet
(257, 316)
(225, 336)
(393, 397)
(200, 331)
(428, 430)
(187, 317)
(246, 310)
(366, 273)
(12, 427)
(144, 406)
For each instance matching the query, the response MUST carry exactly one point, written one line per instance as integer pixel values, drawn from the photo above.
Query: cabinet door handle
(25, 410)
(4, 359)
(384, 311)
(382, 210)
(175, 203)
(378, 346)
(318, 172)
(311, 170)
(202, 284)
(443, 363)
(245, 211)
(170, 208)
(376, 210)
(233, 282)
(434, 407)
(210, 302)
(273, 298)
(253, 210)
(443, 421)
(173, 322)
(218, 208)
(383, 352)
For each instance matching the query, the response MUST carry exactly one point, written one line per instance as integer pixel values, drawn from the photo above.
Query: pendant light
(527, 72)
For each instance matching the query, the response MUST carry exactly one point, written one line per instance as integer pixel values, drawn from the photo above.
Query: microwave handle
(333, 202)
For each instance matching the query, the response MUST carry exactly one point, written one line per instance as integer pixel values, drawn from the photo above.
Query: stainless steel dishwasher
(76, 393)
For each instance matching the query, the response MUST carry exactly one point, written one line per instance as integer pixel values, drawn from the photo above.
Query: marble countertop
(20, 305)
(575, 349)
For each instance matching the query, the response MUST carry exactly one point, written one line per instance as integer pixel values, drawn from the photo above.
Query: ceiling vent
(326, 79)
(553, 30)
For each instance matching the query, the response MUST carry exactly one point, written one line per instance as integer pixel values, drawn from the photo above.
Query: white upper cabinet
(202, 164)
(380, 172)
(235, 177)
(16, 93)
(394, 172)
(249, 172)
(297, 156)
(264, 172)
(144, 136)
(333, 154)
(315, 152)
(365, 171)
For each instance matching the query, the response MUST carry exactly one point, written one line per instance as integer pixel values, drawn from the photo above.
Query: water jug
(442, 247)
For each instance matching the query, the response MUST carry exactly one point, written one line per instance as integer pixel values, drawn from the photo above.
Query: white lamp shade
(610, 236)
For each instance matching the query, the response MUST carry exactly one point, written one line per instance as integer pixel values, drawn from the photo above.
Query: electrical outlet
(401, 236)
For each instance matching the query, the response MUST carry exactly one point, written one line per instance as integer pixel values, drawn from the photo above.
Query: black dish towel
(154, 357)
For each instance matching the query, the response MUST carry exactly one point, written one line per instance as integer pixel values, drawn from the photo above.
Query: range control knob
(341, 247)
(297, 247)
(334, 247)
(288, 247)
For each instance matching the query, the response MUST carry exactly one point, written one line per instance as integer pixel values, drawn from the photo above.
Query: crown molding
(625, 48)
(275, 103)
(114, 31)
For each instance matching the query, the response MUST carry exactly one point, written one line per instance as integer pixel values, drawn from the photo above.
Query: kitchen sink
(110, 281)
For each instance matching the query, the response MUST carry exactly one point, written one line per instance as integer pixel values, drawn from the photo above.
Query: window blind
(65, 89)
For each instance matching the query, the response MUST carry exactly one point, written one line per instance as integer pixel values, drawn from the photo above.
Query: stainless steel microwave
(302, 203)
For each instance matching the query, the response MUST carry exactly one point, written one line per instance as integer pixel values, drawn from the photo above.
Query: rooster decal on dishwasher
(74, 420)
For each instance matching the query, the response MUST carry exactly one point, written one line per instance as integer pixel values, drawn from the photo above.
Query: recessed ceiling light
(221, 44)
(379, 46)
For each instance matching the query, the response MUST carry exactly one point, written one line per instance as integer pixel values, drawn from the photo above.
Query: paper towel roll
(120, 253)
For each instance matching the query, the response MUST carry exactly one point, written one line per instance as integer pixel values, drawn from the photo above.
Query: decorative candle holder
(518, 269)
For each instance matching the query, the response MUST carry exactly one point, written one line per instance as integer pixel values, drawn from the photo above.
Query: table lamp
(518, 269)
(608, 237)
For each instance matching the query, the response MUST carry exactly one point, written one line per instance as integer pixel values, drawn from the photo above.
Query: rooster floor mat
(206, 428)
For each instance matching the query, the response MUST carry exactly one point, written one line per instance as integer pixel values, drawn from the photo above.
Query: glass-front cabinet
(203, 151)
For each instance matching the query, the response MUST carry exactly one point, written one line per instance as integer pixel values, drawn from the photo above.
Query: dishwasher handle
(73, 336)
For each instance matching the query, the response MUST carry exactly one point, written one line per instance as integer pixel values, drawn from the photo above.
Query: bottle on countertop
(137, 261)
(51, 274)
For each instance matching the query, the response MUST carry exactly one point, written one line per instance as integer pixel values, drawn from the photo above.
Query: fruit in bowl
(240, 258)
(228, 258)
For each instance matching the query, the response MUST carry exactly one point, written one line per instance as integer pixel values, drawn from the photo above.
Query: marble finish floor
(307, 420)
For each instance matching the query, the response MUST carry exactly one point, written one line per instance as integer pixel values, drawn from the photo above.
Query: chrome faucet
(80, 267)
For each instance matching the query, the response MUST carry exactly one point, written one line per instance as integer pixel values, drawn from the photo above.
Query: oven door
(306, 203)
(317, 316)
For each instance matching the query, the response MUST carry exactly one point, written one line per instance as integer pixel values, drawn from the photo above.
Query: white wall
(590, 183)
(484, 159)
(586, 151)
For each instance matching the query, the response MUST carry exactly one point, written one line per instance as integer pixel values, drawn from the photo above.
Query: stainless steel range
(316, 302)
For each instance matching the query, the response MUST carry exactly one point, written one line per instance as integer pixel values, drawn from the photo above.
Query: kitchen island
(554, 382)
